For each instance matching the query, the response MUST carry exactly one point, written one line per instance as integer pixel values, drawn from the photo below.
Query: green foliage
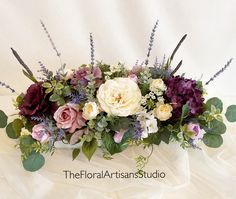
(144, 88)
(216, 102)
(163, 134)
(117, 123)
(215, 127)
(113, 147)
(231, 113)
(185, 112)
(75, 153)
(59, 91)
(13, 129)
(3, 119)
(89, 148)
(212, 140)
(33, 162)
(31, 77)
(26, 142)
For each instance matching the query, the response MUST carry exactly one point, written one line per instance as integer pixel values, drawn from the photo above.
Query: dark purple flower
(35, 102)
(182, 91)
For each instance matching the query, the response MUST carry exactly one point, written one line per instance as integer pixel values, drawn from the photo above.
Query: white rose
(157, 85)
(120, 97)
(90, 110)
(163, 111)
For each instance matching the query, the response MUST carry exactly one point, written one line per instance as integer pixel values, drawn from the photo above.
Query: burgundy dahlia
(182, 91)
(36, 103)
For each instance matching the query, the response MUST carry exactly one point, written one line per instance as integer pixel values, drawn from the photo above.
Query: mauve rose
(34, 102)
(81, 76)
(67, 117)
(195, 128)
(133, 77)
(40, 133)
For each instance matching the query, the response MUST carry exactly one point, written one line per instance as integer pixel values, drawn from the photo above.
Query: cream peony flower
(120, 97)
(163, 111)
(90, 110)
(157, 85)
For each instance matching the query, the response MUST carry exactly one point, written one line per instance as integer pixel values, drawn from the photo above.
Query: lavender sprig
(92, 50)
(137, 131)
(50, 39)
(220, 71)
(21, 62)
(7, 86)
(151, 40)
(45, 72)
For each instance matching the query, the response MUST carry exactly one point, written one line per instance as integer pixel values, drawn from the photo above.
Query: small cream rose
(90, 110)
(157, 85)
(163, 111)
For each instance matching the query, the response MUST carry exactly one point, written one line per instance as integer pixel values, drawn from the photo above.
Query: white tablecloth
(121, 31)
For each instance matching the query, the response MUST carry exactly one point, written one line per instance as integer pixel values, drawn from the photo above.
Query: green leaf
(119, 123)
(32, 78)
(3, 119)
(54, 98)
(231, 113)
(17, 125)
(215, 102)
(185, 112)
(89, 148)
(66, 91)
(11, 133)
(33, 162)
(49, 90)
(216, 127)
(153, 138)
(46, 85)
(212, 140)
(59, 86)
(75, 153)
(25, 142)
(113, 147)
(165, 135)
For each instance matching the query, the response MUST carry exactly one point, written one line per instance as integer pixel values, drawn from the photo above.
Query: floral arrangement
(111, 107)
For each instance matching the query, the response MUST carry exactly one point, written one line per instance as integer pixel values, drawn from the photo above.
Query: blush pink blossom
(119, 135)
(67, 117)
(40, 133)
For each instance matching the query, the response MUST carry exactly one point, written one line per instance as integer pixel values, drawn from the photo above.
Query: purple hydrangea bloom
(182, 91)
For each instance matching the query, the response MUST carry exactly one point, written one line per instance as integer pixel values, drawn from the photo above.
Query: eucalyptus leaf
(3, 119)
(231, 113)
(33, 162)
(216, 127)
(89, 148)
(11, 133)
(212, 140)
(216, 102)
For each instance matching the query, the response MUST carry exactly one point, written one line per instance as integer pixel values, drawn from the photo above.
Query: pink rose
(119, 135)
(67, 117)
(40, 133)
